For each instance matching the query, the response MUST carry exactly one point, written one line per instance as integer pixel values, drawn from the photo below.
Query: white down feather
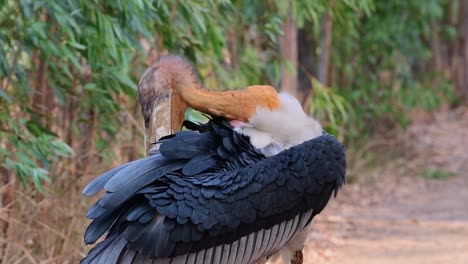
(272, 131)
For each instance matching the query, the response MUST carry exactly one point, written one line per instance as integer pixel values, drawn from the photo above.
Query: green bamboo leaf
(77, 45)
(5, 96)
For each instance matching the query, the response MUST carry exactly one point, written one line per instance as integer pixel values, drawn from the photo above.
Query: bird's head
(273, 121)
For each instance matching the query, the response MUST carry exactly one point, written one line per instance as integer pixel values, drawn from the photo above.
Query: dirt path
(403, 219)
(428, 224)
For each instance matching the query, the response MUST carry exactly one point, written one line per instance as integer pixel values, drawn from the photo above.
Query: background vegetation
(69, 71)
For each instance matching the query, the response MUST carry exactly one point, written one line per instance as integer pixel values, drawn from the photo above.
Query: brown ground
(400, 216)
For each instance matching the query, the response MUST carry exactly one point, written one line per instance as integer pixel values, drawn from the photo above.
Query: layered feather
(206, 188)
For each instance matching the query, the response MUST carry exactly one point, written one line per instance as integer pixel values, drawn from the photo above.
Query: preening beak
(171, 84)
(162, 107)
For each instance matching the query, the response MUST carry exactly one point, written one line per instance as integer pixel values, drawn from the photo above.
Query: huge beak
(171, 84)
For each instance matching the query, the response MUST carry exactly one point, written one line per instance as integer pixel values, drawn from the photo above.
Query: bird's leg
(296, 246)
(297, 258)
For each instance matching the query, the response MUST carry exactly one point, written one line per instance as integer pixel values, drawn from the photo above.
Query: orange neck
(238, 104)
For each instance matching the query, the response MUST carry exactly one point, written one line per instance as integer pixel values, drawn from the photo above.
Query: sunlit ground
(410, 210)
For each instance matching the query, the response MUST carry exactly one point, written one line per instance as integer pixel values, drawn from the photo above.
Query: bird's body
(227, 191)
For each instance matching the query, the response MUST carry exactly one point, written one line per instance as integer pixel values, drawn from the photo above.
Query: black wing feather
(198, 164)
(97, 184)
(206, 188)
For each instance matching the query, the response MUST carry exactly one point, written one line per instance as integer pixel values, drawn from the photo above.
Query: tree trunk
(288, 50)
(306, 68)
(462, 54)
(232, 46)
(436, 45)
(325, 46)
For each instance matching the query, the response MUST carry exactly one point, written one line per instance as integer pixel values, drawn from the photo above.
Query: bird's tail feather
(108, 251)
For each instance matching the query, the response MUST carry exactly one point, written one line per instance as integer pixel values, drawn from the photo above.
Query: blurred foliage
(33, 150)
(383, 61)
(69, 68)
(329, 107)
(87, 53)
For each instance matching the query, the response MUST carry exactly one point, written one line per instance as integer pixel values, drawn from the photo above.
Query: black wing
(208, 194)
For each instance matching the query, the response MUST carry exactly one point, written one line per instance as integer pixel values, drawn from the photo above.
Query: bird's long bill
(233, 105)
(164, 116)
(170, 84)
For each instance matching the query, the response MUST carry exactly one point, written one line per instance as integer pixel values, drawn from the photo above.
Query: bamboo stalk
(289, 50)
(325, 46)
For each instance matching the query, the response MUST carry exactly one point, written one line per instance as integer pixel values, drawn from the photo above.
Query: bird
(241, 188)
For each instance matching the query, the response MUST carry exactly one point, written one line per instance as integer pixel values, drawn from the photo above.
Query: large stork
(238, 189)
